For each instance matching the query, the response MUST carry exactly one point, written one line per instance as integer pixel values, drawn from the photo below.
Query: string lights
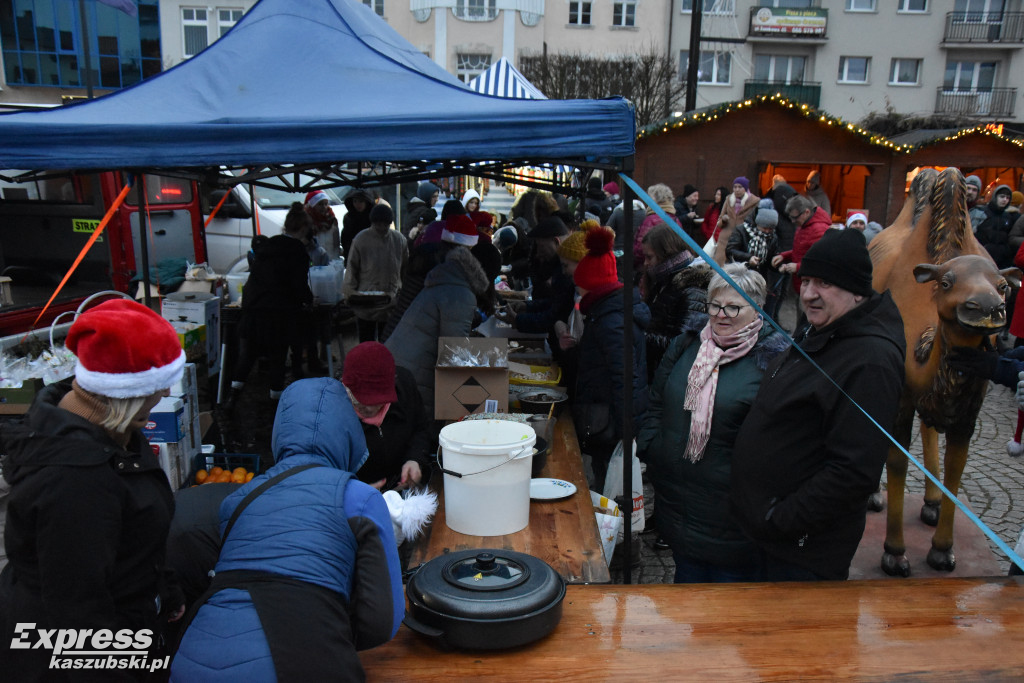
(680, 120)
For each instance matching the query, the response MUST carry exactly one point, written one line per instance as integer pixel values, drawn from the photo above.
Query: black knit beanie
(841, 258)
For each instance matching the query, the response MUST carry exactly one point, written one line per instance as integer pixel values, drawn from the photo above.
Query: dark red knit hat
(370, 374)
(598, 267)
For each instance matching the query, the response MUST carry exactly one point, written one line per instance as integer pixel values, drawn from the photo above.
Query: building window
(579, 13)
(969, 76)
(853, 69)
(714, 67)
(860, 5)
(624, 13)
(913, 6)
(904, 72)
(376, 5)
(788, 69)
(43, 43)
(713, 6)
(226, 18)
(193, 28)
(476, 10)
(469, 66)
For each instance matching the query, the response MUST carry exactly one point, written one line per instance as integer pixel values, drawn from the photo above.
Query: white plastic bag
(609, 523)
(613, 487)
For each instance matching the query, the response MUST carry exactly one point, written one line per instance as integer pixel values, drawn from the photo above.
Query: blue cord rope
(718, 269)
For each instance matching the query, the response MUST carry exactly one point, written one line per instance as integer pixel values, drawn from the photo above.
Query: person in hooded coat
(445, 307)
(325, 234)
(309, 571)
(357, 218)
(419, 206)
(90, 507)
(994, 231)
(598, 406)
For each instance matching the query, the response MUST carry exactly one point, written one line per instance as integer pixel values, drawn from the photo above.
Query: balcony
(804, 25)
(808, 92)
(995, 103)
(982, 28)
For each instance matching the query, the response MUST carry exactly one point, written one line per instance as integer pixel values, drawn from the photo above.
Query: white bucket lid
(487, 437)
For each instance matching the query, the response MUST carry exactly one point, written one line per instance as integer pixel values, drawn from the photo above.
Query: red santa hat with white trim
(125, 350)
(460, 229)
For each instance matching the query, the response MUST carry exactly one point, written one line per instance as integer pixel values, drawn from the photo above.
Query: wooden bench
(914, 629)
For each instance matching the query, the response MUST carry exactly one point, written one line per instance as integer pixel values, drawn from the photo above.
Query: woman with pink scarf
(701, 393)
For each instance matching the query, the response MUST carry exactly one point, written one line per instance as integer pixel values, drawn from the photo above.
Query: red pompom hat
(125, 350)
(598, 267)
(370, 374)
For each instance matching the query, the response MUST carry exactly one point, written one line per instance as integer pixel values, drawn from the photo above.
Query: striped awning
(504, 80)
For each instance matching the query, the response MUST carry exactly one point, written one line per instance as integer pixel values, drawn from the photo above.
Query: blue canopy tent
(504, 80)
(322, 84)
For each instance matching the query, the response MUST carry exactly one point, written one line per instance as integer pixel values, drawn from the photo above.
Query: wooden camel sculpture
(949, 293)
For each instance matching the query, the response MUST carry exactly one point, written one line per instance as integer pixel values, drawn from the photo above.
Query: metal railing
(984, 27)
(807, 92)
(991, 103)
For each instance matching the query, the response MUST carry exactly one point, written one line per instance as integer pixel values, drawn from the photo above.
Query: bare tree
(649, 79)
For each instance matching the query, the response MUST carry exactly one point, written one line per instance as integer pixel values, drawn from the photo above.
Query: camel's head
(970, 293)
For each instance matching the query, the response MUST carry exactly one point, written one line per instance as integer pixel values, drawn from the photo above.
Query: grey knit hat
(766, 215)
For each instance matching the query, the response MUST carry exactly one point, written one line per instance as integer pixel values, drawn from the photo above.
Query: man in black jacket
(806, 458)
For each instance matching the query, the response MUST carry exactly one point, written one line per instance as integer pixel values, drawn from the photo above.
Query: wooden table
(913, 629)
(563, 532)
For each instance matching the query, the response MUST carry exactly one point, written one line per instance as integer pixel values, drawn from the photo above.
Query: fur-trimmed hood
(459, 267)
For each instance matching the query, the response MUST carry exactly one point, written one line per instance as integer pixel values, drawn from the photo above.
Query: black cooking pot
(484, 599)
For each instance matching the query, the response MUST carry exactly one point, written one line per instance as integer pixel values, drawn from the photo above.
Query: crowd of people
(762, 465)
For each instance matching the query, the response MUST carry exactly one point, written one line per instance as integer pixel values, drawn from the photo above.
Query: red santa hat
(459, 229)
(125, 350)
(315, 197)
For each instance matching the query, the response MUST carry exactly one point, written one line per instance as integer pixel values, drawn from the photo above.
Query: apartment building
(854, 57)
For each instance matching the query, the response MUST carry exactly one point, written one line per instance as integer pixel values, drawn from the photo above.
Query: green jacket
(693, 498)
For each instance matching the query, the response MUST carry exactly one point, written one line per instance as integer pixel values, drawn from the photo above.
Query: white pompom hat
(125, 350)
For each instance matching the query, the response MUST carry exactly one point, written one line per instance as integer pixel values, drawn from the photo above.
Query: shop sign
(85, 225)
(793, 22)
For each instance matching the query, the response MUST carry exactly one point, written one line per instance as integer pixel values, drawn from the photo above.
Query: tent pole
(143, 233)
(252, 209)
(696, 14)
(625, 501)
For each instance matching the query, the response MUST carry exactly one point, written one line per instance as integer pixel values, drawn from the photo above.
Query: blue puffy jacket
(319, 526)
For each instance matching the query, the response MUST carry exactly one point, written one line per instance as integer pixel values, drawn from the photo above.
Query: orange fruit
(237, 478)
(239, 472)
(214, 471)
(249, 476)
(201, 476)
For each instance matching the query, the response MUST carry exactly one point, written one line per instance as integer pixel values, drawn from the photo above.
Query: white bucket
(235, 283)
(492, 497)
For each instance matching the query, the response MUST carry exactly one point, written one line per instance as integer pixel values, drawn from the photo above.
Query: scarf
(757, 245)
(670, 265)
(91, 407)
(378, 419)
(595, 295)
(702, 382)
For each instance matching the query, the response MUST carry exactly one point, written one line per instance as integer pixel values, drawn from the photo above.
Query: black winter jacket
(806, 459)
(599, 381)
(994, 231)
(404, 435)
(677, 300)
(87, 522)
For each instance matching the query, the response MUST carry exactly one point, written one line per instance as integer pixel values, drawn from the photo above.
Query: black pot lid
(486, 584)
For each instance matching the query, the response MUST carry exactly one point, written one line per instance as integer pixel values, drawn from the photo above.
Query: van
(229, 234)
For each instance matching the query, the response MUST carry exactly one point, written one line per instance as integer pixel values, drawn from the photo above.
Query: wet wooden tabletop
(908, 630)
(563, 532)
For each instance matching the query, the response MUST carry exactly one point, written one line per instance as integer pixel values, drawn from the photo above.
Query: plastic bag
(609, 523)
(613, 487)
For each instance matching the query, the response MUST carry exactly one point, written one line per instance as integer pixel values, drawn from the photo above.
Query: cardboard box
(173, 461)
(17, 400)
(167, 421)
(460, 389)
(201, 309)
(192, 338)
(188, 391)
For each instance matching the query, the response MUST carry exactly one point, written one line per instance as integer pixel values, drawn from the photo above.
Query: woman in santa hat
(90, 507)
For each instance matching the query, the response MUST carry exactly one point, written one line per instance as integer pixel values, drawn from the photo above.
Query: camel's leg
(932, 494)
(894, 559)
(941, 555)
